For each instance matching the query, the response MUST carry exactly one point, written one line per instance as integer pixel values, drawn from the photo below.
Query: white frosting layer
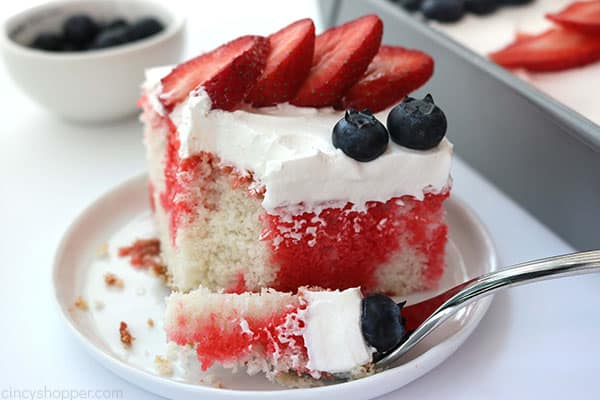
(575, 88)
(333, 336)
(289, 150)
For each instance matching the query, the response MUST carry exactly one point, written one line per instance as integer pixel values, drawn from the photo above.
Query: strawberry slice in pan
(288, 64)
(582, 16)
(393, 73)
(554, 50)
(342, 54)
(226, 73)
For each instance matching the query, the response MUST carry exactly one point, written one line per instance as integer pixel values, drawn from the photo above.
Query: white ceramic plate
(122, 215)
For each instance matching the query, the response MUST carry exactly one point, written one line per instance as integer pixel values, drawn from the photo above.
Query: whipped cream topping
(576, 87)
(333, 336)
(289, 151)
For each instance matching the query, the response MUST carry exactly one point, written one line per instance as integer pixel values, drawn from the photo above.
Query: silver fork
(426, 316)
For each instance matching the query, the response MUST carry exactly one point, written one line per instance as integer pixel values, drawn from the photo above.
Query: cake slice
(248, 197)
(314, 333)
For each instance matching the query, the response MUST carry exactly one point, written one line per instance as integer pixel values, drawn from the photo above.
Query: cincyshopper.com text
(47, 393)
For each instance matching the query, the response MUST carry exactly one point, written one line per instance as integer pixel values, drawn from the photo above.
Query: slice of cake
(314, 333)
(250, 187)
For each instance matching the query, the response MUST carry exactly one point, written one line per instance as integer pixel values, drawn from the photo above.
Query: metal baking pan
(540, 152)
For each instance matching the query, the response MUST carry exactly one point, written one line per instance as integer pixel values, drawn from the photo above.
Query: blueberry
(443, 10)
(381, 322)
(481, 7)
(360, 135)
(410, 5)
(48, 41)
(514, 2)
(143, 28)
(80, 30)
(70, 47)
(417, 124)
(111, 37)
(115, 23)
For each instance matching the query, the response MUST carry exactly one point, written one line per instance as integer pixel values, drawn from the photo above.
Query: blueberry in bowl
(81, 32)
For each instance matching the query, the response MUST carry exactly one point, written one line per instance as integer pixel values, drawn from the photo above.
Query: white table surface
(537, 341)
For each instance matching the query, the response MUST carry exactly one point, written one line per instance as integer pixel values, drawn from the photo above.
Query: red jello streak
(222, 341)
(143, 253)
(239, 286)
(347, 248)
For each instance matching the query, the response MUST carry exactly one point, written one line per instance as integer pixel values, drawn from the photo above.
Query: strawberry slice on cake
(342, 54)
(288, 64)
(393, 74)
(226, 73)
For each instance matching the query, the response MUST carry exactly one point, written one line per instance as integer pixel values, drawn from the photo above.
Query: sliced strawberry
(342, 54)
(583, 16)
(288, 64)
(227, 73)
(554, 50)
(393, 73)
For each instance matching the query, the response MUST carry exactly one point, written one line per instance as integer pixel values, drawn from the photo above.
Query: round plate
(89, 250)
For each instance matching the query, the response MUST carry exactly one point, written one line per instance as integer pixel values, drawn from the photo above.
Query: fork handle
(533, 271)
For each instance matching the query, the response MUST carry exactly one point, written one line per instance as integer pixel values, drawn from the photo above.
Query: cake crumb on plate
(113, 280)
(126, 337)
(81, 304)
(212, 380)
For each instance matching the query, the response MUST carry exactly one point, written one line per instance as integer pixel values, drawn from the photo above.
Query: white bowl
(98, 85)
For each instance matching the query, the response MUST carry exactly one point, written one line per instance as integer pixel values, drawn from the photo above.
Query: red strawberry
(583, 16)
(342, 55)
(554, 50)
(393, 73)
(227, 73)
(288, 64)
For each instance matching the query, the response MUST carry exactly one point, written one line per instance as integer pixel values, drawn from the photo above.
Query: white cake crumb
(163, 366)
(102, 250)
(212, 380)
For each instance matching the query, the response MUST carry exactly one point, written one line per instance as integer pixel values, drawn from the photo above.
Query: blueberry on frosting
(360, 135)
(417, 124)
(381, 322)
